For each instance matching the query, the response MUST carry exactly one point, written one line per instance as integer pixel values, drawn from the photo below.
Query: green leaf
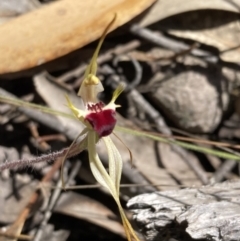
(192, 147)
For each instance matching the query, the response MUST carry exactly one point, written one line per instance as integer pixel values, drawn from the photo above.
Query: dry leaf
(165, 8)
(12, 232)
(59, 28)
(54, 96)
(12, 206)
(225, 37)
(177, 167)
(83, 207)
(52, 234)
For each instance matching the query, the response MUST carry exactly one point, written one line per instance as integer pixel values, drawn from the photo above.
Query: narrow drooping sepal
(111, 181)
(98, 170)
(115, 162)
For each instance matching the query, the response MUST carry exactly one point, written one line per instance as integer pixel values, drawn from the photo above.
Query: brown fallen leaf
(224, 37)
(54, 96)
(165, 8)
(10, 205)
(79, 206)
(177, 167)
(59, 28)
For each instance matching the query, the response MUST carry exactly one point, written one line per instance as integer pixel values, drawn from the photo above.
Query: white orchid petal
(115, 162)
(98, 170)
(111, 158)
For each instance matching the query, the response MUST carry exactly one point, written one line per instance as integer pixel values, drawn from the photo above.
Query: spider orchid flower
(99, 121)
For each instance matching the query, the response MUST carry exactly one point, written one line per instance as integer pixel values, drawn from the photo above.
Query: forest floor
(182, 76)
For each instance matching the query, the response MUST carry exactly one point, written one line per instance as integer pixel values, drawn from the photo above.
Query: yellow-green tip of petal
(117, 92)
(78, 113)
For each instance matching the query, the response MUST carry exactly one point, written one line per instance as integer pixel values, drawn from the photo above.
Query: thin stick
(169, 43)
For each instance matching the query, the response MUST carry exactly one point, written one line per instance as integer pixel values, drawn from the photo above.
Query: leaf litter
(156, 166)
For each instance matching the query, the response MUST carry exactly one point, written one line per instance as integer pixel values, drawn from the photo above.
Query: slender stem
(44, 158)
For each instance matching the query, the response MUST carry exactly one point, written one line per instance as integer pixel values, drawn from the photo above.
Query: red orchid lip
(102, 121)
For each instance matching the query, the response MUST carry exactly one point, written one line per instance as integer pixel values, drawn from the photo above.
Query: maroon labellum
(102, 120)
